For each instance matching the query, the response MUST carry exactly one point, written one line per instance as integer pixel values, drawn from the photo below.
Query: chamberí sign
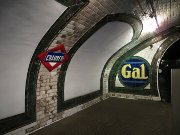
(134, 72)
(54, 57)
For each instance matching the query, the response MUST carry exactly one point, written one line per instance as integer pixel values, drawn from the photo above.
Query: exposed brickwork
(83, 21)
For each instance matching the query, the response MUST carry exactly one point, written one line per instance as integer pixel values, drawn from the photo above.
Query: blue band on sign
(54, 57)
(134, 72)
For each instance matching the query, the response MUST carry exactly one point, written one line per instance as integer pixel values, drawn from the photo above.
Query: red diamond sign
(54, 57)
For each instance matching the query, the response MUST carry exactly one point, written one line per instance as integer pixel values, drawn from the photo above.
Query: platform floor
(116, 116)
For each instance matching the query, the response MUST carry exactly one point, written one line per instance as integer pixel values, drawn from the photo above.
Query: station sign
(54, 57)
(134, 72)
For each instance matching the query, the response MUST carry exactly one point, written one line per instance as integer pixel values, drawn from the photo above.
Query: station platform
(116, 116)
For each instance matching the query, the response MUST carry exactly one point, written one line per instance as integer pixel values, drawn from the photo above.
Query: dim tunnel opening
(169, 60)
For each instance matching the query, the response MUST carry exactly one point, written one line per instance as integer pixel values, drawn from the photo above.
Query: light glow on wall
(150, 24)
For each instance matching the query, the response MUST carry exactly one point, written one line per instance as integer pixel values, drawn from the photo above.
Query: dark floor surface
(116, 117)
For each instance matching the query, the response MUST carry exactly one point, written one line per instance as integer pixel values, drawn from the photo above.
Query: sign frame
(131, 87)
(59, 47)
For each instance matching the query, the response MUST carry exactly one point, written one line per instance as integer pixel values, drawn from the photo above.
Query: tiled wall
(169, 17)
(83, 21)
(148, 54)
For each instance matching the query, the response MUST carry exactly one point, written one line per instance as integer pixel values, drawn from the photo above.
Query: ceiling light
(150, 24)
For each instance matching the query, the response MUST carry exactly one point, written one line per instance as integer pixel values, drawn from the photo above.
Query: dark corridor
(164, 79)
(170, 59)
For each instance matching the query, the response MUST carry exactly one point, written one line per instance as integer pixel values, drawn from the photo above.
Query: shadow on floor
(116, 117)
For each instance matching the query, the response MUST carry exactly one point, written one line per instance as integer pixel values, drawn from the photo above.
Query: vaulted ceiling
(156, 15)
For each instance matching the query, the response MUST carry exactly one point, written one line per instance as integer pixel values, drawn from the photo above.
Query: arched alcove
(84, 71)
(73, 28)
(125, 19)
(171, 34)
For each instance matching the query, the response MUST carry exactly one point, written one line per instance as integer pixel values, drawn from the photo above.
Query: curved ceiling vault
(156, 16)
(80, 18)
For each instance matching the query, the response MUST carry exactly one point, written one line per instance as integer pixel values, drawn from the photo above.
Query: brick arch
(30, 114)
(130, 19)
(76, 21)
(32, 82)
